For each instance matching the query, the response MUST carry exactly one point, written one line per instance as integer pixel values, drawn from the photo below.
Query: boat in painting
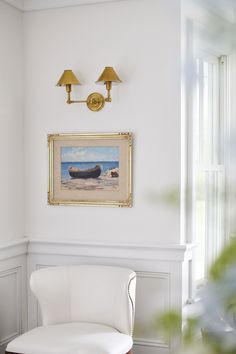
(94, 172)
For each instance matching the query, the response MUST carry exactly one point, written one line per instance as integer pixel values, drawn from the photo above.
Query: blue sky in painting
(90, 153)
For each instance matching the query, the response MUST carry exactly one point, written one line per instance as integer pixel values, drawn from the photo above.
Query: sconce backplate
(95, 101)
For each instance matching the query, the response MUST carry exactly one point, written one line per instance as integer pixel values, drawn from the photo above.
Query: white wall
(13, 294)
(11, 123)
(141, 39)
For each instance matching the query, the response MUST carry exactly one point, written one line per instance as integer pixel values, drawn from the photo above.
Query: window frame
(192, 46)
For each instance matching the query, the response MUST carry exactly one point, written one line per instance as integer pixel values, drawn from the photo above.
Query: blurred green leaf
(225, 259)
(170, 323)
(190, 330)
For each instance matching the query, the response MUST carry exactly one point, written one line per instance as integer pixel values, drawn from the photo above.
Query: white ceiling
(30, 5)
(222, 8)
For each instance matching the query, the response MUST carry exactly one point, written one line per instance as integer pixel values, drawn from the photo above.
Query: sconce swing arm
(95, 101)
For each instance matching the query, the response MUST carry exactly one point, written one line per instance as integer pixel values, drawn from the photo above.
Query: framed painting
(90, 169)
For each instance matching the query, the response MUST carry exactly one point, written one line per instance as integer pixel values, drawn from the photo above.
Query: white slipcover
(86, 309)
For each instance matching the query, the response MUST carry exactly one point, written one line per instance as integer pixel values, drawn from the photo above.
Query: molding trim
(24, 246)
(131, 251)
(34, 5)
(13, 248)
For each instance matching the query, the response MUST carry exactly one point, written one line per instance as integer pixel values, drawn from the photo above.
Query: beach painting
(90, 168)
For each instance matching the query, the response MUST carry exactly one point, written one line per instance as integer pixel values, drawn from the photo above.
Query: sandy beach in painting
(86, 158)
(101, 183)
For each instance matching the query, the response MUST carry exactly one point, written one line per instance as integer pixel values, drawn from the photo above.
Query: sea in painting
(90, 168)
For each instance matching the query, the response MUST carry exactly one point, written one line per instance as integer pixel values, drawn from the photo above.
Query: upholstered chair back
(86, 293)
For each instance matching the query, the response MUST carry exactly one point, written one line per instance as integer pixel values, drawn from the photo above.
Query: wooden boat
(75, 172)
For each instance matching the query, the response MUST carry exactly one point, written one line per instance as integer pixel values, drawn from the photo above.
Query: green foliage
(189, 332)
(226, 258)
(169, 323)
(231, 303)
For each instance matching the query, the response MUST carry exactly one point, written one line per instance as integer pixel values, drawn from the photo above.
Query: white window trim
(189, 45)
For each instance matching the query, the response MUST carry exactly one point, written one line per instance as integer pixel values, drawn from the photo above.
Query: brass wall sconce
(95, 101)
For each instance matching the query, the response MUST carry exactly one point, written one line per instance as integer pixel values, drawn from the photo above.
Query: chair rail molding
(13, 248)
(170, 252)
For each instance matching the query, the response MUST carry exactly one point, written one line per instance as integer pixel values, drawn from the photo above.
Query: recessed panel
(152, 298)
(9, 312)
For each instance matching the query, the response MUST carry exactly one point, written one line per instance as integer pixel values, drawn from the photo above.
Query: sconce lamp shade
(108, 75)
(68, 78)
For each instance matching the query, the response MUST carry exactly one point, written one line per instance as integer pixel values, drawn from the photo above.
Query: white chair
(86, 309)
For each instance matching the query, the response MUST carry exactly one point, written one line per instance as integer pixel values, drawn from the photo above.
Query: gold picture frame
(90, 169)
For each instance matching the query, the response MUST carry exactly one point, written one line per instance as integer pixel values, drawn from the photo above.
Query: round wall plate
(95, 101)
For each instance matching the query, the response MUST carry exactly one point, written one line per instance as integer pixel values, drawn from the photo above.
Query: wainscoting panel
(150, 287)
(10, 295)
(161, 282)
(13, 294)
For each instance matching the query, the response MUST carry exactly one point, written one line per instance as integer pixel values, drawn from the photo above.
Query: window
(208, 160)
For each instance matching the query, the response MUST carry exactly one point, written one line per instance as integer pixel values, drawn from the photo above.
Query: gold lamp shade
(68, 78)
(108, 75)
